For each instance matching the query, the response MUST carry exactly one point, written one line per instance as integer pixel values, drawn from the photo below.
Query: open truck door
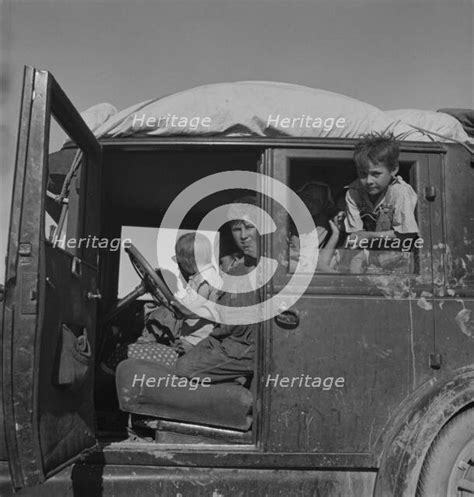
(51, 289)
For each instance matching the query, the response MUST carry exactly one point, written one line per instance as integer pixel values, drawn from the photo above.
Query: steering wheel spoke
(151, 282)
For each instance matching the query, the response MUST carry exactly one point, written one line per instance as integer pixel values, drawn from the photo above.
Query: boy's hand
(179, 310)
(294, 243)
(362, 236)
(338, 220)
(335, 230)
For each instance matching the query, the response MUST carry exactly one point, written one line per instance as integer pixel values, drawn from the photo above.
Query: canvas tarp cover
(266, 109)
(464, 116)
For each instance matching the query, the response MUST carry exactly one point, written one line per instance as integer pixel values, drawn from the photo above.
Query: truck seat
(226, 405)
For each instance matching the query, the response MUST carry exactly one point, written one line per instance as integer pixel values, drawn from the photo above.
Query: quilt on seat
(148, 388)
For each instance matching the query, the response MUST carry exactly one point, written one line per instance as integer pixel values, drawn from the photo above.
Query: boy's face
(246, 237)
(376, 177)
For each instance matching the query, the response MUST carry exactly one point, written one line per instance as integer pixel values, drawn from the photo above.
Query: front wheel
(448, 470)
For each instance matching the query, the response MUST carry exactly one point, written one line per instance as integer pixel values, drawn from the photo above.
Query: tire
(448, 470)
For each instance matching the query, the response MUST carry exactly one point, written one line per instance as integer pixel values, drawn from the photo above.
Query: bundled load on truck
(269, 109)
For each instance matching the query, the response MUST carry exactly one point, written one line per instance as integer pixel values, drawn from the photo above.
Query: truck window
(66, 225)
(323, 185)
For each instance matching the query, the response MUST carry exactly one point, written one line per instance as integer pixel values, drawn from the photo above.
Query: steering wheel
(151, 282)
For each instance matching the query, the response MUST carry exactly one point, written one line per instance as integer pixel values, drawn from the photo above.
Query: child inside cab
(317, 197)
(192, 250)
(380, 205)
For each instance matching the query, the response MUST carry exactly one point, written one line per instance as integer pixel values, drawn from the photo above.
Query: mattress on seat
(148, 388)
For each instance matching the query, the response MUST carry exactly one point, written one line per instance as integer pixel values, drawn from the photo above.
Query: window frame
(278, 167)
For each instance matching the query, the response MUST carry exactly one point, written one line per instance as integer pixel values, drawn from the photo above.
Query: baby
(204, 281)
(187, 328)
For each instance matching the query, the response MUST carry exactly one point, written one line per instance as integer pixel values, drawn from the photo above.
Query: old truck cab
(363, 385)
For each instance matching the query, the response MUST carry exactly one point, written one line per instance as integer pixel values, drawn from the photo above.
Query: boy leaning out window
(380, 207)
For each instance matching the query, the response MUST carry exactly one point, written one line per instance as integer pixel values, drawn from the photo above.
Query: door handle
(93, 296)
(288, 319)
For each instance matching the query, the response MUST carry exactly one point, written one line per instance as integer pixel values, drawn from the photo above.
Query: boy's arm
(354, 225)
(182, 310)
(189, 303)
(403, 216)
(368, 235)
(404, 210)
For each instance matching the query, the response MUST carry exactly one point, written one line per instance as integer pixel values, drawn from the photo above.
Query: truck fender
(403, 448)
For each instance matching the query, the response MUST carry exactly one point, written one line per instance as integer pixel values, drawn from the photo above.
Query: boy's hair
(376, 148)
(190, 248)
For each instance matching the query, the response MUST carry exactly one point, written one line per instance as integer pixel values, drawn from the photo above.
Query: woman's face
(246, 238)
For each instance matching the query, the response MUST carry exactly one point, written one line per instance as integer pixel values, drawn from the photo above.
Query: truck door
(356, 344)
(51, 288)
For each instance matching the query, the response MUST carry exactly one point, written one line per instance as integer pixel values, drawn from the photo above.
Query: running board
(193, 430)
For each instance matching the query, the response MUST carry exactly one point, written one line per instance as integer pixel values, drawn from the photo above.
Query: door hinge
(24, 249)
(28, 293)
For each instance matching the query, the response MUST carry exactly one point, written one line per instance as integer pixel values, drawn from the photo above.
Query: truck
(364, 386)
